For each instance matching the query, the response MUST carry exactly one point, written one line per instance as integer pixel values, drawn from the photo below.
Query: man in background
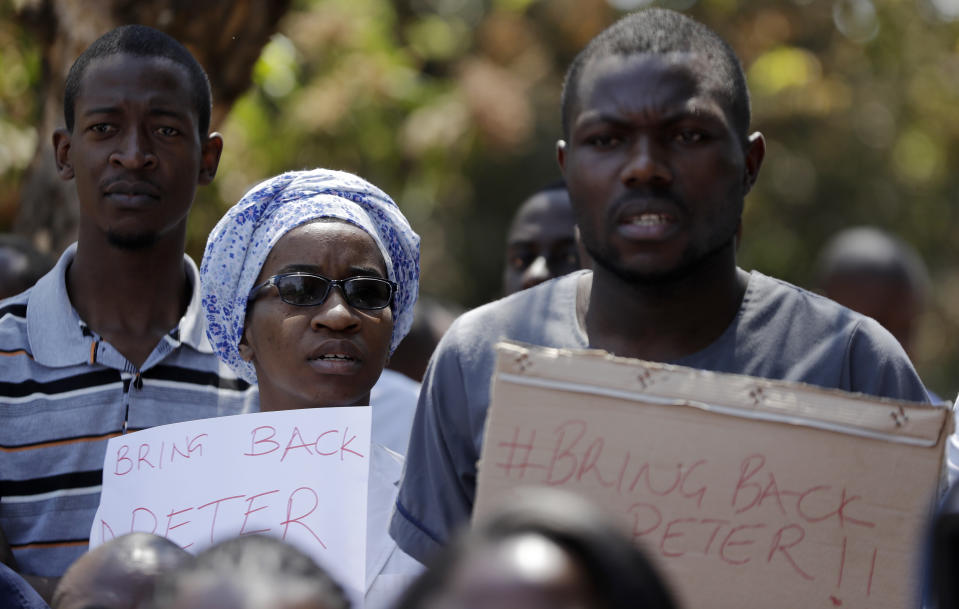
(877, 274)
(541, 242)
(113, 338)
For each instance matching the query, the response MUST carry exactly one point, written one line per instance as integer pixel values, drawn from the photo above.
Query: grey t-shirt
(780, 332)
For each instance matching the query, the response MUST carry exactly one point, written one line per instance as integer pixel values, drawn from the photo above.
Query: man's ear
(755, 152)
(561, 155)
(210, 160)
(61, 154)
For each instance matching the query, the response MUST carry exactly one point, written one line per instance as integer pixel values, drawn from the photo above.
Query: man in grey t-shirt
(657, 158)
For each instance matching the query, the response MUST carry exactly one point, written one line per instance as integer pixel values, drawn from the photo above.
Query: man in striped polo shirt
(112, 339)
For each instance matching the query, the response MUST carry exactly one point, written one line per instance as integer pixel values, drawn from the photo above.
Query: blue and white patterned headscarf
(242, 239)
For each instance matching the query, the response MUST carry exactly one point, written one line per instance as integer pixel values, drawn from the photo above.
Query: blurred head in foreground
(877, 274)
(547, 549)
(541, 243)
(942, 585)
(118, 574)
(251, 572)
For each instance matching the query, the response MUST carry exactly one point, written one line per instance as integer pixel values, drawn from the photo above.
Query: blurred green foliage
(20, 73)
(451, 106)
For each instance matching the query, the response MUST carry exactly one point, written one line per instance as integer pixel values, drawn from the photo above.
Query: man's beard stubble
(685, 268)
(131, 242)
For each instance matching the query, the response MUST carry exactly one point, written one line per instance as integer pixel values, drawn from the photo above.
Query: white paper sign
(299, 475)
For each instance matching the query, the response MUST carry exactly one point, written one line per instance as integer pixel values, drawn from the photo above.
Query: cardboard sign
(746, 492)
(300, 475)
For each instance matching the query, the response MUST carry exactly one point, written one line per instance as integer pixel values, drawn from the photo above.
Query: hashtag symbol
(518, 454)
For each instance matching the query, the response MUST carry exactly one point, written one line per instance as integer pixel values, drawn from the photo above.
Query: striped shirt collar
(56, 332)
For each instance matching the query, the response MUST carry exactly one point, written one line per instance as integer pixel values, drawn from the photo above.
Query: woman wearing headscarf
(308, 286)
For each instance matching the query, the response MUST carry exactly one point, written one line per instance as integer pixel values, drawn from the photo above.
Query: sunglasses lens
(368, 293)
(302, 290)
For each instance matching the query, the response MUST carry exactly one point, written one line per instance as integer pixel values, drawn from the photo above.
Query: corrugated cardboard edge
(731, 394)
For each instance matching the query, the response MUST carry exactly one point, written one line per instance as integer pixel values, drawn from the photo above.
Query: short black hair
(558, 184)
(869, 252)
(140, 41)
(660, 31)
(619, 571)
(140, 558)
(249, 565)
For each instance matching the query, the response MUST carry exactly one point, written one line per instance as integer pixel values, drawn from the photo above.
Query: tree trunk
(226, 37)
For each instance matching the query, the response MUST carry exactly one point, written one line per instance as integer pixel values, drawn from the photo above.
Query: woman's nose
(335, 313)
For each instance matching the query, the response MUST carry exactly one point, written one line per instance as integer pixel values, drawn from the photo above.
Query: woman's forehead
(327, 242)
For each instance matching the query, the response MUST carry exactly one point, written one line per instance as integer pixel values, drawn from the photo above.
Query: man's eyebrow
(697, 112)
(666, 117)
(168, 113)
(593, 118)
(102, 110)
(153, 112)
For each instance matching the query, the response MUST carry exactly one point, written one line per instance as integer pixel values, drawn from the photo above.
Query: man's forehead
(150, 74)
(545, 202)
(543, 207)
(687, 74)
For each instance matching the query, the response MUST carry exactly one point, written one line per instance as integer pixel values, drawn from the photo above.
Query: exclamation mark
(842, 563)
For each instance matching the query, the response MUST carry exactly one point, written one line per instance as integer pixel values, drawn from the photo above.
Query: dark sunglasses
(307, 290)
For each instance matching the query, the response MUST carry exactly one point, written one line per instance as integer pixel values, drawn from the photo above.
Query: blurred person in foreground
(940, 581)
(118, 574)
(309, 283)
(112, 339)
(16, 592)
(250, 572)
(546, 549)
(541, 242)
(21, 265)
(657, 157)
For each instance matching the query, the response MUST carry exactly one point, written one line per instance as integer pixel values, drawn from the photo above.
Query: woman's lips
(340, 358)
